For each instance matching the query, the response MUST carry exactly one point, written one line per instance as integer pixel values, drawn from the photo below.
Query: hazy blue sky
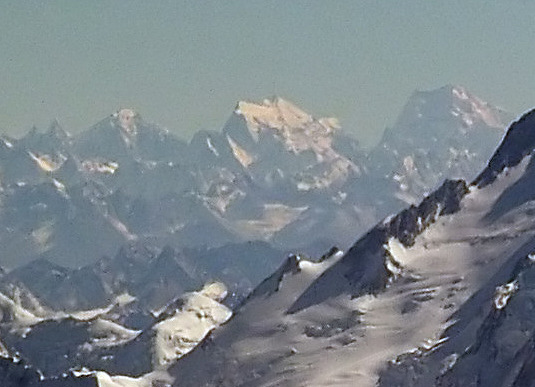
(185, 64)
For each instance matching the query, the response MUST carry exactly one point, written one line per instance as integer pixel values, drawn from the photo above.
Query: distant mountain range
(273, 173)
(106, 235)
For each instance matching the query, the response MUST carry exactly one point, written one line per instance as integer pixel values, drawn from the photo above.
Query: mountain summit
(442, 133)
(451, 101)
(297, 129)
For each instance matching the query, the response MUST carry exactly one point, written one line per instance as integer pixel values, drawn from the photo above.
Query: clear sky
(185, 64)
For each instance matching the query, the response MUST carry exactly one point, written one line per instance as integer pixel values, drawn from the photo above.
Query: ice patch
(396, 253)
(433, 343)
(393, 266)
(472, 109)
(504, 293)
(21, 316)
(309, 266)
(86, 315)
(60, 187)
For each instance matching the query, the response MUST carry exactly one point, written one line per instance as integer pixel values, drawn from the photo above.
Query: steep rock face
(299, 134)
(495, 326)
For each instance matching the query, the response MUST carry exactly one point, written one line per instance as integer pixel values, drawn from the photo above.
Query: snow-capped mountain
(227, 206)
(444, 133)
(124, 180)
(71, 349)
(429, 297)
(273, 173)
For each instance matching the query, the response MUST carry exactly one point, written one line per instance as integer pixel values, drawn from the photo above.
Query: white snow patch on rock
(48, 163)
(504, 293)
(107, 333)
(21, 316)
(211, 146)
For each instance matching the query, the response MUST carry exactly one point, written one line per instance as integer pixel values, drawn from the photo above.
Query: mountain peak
(126, 118)
(452, 102)
(280, 114)
(298, 130)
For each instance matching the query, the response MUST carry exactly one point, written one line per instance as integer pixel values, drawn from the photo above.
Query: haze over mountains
(108, 237)
(273, 173)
